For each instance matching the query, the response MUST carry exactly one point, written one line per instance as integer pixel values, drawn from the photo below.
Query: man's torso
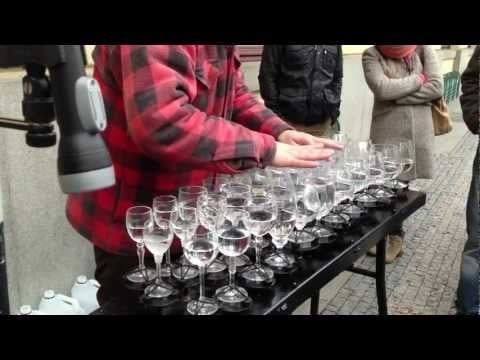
(99, 216)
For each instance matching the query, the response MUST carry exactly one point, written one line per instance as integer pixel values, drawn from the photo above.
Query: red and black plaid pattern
(176, 115)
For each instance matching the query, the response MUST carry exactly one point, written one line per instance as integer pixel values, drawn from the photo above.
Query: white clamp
(90, 106)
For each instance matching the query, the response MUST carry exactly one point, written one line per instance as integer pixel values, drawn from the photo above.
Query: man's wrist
(281, 128)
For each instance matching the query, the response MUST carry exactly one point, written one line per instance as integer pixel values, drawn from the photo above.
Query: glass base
(205, 306)
(216, 266)
(158, 290)
(301, 237)
(334, 219)
(280, 259)
(242, 260)
(322, 232)
(258, 273)
(396, 184)
(383, 192)
(141, 276)
(185, 272)
(231, 294)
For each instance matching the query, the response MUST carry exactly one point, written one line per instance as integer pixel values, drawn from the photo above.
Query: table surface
(315, 269)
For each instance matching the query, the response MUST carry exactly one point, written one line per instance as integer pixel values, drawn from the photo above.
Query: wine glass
(324, 181)
(187, 193)
(188, 196)
(358, 148)
(243, 178)
(262, 213)
(210, 207)
(407, 157)
(201, 250)
(315, 195)
(158, 236)
(358, 168)
(390, 157)
(376, 174)
(293, 174)
(233, 241)
(184, 225)
(340, 138)
(238, 196)
(136, 218)
(260, 182)
(339, 156)
(344, 185)
(307, 202)
(215, 183)
(280, 183)
(165, 207)
(356, 160)
(286, 203)
(392, 162)
(304, 194)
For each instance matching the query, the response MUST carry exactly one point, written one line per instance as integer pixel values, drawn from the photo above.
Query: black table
(319, 268)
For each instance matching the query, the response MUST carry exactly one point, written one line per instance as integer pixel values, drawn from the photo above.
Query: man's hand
(293, 137)
(300, 156)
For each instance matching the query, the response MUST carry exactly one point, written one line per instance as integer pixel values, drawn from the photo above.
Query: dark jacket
(470, 92)
(302, 83)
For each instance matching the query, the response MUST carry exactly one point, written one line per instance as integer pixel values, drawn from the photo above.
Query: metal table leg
(380, 278)
(314, 300)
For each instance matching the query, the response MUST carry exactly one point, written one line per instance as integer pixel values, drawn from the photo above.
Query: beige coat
(402, 106)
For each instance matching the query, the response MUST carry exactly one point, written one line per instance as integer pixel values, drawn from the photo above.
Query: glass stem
(232, 268)
(168, 258)
(258, 249)
(158, 265)
(141, 255)
(202, 282)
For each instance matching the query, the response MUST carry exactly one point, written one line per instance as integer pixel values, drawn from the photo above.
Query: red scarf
(397, 51)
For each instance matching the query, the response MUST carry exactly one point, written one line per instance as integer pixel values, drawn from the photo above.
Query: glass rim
(213, 195)
(164, 198)
(192, 190)
(191, 187)
(139, 210)
(248, 188)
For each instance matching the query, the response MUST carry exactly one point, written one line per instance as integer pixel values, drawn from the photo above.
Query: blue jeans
(468, 288)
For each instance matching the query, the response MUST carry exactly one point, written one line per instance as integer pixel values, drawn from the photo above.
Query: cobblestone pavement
(424, 280)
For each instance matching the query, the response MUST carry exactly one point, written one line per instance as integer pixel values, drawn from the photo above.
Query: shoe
(373, 250)
(394, 248)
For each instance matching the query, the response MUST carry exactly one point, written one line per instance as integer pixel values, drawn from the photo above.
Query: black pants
(109, 273)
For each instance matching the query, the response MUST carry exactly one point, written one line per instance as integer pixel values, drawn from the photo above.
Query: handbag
(442, 123)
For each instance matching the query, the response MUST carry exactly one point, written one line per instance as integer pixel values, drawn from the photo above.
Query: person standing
(177, 114)
(404, 79)
(468, 292)
(303, 84)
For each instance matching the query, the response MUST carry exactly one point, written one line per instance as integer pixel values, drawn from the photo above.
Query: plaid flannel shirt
(176, 115)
